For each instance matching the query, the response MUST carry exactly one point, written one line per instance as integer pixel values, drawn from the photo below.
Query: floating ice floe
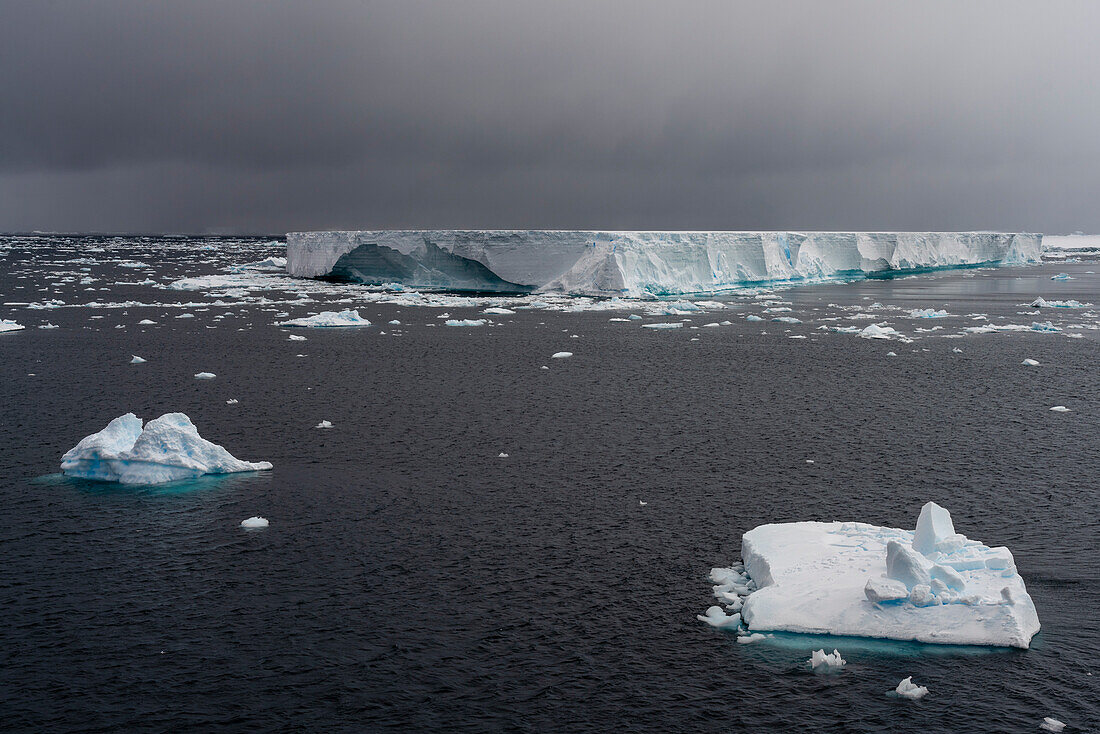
(349, 317)
(232, 401)
(672, 325)
(270, 263)
(1043, 326)
(395, 322)
(1061, 276)
(825, 663)
(928, 313)
(502, 455)
(908, 689)
(465, 322)
(881, 331)
(323, 424)
(891, 354)
(146, 322)
(296, 338)
(205, 375)
(715, 617)
(498, 311)
(1043, 303)
(1031, 362)
(137, 360)
(255, 522)
(561, 355)
(1052, 724)
(928, 585)
(787, 320)
(48, 325)
(753, 317)
(1060, 409)
(9, 325)
(167, 449)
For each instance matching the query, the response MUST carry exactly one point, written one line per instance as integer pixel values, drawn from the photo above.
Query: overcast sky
(275, 116)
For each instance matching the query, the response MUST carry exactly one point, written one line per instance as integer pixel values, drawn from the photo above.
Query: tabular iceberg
(634, 264)
(929, 585)
(167, 449)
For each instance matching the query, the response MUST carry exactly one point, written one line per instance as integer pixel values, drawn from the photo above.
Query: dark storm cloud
(275, 116)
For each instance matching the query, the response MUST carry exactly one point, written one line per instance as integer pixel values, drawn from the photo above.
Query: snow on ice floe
(255, 522)
(908, 689)
(9, 325)
(853, 579)
(561, 355)
(1052, 724)
(167, 449)
(349, 317)
(822, 662)
(136, 360)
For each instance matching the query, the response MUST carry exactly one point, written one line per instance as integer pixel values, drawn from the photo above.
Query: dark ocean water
(413, 580)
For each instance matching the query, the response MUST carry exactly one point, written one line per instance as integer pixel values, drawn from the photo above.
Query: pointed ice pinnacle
(933, 525)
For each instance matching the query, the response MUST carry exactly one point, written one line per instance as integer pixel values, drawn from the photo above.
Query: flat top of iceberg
(349, 317)
(854, 579)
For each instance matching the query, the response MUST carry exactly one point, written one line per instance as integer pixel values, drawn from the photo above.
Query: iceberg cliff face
(635, 264)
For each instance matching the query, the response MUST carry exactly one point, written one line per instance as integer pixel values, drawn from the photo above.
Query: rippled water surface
(413, 579)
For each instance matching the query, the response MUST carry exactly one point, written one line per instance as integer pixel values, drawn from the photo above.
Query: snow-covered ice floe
(634, 264)
(853, 579)
(9, 325)
(908, 689)
(822, 662)
(167, 449)
(255, 522)
(349, 317)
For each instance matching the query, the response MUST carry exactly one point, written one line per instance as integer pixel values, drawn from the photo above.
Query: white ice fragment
(878, 331)
(928, 313)
(270, 263)
(753, 317)
(323, 424)
(634, 317)
(826, 663)
(146, 322)
(956, 350)
(715, 617)
(502, 455)
(255, 522)
(465, 322)
(1031, 362)
(933, 525)
(137, 360)
(395, 322)
(498, 311)
(754, 637)
(561, 355)
(1060, 409)
(232, 401)
(10, 325)
(1052, 724)
(891, 354)
(908, 689)
(905, 565)
(642, 504)
(167, 449)
(296, 338)
(673, 325)
(205, 375)
(349, 317)
(880, 590)
(711, 324)
(948, 576)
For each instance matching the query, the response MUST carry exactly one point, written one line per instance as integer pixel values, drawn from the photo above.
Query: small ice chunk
(711, 325)
(715, 617)
(885, 590)
(891, 354)
(323, 424)
(949, 576)
(205, 375)
(908, 689)
(137, 360)
(933, 525)
(1031, 362)
(146, 322)
(296, 338)
(922, 595)
(502, 455)
(465, 322)
(395, 322)
(1051, 724)
(905, 565)
(753, 317)
(1061, 276)
(754, 637)
(232, 401)
(10, 325)
(956, 350)
(561, 355)
(255, 522)
(349, 317)
(498, 311)
(673, 325)
(634, 317)
(826, 663)
(1060, 409)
